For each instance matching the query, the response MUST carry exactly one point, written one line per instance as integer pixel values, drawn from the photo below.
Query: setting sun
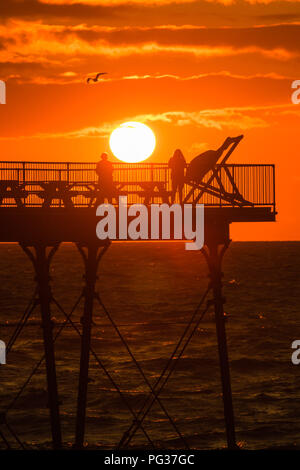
(132, 142)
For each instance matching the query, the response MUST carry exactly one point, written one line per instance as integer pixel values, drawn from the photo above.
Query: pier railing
(27, 183)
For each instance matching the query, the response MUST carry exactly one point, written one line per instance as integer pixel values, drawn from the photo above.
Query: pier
(44, 204)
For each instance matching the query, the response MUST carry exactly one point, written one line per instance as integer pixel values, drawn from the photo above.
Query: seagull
(96, 79)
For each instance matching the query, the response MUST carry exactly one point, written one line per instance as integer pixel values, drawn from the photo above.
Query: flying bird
(96, 79)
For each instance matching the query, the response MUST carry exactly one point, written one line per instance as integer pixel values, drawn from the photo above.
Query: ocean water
(150, 291)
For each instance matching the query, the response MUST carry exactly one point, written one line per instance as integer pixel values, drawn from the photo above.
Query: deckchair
(207, 162)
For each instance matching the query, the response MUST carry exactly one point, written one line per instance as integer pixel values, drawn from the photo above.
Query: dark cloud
(33, 9)
(268, 37)
(178, 45)
(24, 69)
(197, 13)
(5, 42)
(280, 18)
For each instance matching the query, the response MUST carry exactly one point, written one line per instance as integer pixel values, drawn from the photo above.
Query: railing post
(274, 200)
(24, 172)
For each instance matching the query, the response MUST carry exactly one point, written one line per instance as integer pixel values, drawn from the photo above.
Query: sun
(132, 142)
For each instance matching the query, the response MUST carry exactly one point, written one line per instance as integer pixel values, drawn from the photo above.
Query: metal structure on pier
(38, 184)
(45, 204)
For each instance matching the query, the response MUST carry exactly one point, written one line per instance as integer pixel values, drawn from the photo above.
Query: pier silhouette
(44, 204)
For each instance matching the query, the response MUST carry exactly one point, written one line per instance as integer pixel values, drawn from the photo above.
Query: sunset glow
(150, 228)
(195, 72)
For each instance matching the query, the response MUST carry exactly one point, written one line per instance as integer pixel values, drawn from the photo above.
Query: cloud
(234, 119)
(280, 36)
(116, 2)
(223, 73)
(99, 3)
(215, 118)
(148, 12)
(56, 74)
(57, 45)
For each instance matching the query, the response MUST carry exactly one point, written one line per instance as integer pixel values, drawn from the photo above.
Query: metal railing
(28, 180)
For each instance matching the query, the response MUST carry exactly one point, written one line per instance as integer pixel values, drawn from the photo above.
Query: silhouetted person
(104, 170)
(204, 162)
(177, 164)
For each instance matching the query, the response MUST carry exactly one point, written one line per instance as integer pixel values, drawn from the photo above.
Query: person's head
(104, 156)
(178, 154)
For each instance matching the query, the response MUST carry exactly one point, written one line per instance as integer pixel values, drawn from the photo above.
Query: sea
(150, 291)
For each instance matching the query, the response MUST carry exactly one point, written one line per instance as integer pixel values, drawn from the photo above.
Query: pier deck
(57, 201)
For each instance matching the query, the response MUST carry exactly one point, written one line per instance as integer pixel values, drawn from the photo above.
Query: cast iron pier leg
(41, 261)
(91, 254)
(214, 252)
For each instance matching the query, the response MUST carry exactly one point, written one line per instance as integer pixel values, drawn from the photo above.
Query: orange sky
(194, 71)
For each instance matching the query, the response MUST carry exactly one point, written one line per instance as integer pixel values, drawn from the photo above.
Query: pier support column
(91, 254)
(41, 260)
(214, 251)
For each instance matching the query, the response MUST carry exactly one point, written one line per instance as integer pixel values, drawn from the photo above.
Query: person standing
(104, 170)
(177, 164)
